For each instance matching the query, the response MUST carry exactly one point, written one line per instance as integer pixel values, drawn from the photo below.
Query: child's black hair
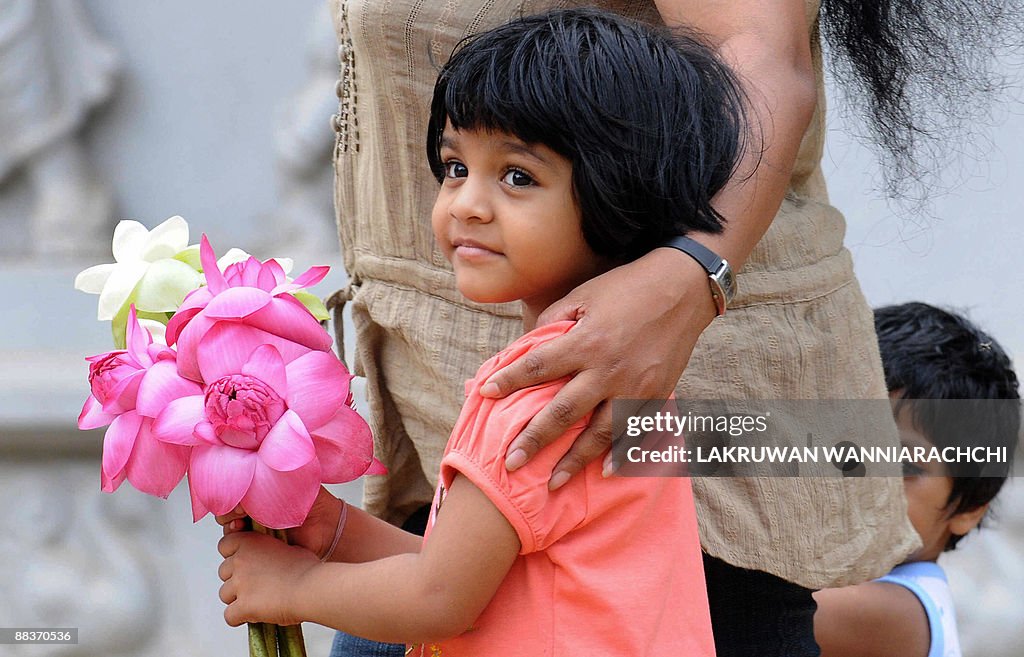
(932, 354)
(651, 120)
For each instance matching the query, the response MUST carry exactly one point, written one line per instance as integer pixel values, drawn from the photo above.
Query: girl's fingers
(227, 593)
(228, 546)
(224, 571)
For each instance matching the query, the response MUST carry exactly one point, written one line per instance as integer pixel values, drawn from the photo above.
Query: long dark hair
(923, 73)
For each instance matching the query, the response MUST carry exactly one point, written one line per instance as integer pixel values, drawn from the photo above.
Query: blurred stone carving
(303, 221)
(53, 70)
(73, 557)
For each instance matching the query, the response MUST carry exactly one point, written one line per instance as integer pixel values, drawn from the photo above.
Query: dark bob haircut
(933, 355)
(651, 120)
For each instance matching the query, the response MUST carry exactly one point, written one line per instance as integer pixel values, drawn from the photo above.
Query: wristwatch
(720, 276)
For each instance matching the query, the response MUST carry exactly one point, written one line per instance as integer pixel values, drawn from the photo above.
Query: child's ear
(963, 522)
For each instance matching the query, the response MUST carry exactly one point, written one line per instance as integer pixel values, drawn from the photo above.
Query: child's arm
(874, 619)
(407, 598)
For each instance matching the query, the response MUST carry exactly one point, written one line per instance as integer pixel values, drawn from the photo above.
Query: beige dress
(799, 329)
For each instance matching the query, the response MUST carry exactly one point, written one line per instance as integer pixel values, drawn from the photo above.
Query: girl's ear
(965, 521)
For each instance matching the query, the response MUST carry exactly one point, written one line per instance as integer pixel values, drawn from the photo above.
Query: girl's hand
(637, 326)
(316, 534)
(262, 578)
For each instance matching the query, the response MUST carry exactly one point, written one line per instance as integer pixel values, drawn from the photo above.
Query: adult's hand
(636, 328)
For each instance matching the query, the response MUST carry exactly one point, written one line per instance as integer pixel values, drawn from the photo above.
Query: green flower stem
(258, 641)
(290, 641)
(270, 637)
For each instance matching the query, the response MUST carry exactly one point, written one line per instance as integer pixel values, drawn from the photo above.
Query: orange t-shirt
(608, 566)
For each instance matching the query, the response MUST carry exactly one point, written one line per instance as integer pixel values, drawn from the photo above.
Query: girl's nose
(470, 202)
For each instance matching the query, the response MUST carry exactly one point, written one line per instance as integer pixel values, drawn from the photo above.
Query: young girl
(565, 144)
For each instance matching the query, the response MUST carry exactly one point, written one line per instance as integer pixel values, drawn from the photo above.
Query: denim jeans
(346, 645)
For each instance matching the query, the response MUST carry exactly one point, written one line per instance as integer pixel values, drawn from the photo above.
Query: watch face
(730, 284)
(726, 280)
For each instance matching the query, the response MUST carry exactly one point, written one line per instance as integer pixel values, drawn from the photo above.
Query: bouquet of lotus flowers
(223, 372)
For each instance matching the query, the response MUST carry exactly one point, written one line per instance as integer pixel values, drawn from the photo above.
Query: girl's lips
(468, 251)
(465, 248)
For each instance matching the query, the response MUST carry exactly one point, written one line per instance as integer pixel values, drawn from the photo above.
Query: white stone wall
(191, 130)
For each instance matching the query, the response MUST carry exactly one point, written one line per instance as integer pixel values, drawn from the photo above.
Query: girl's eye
(912, 470)
(455, 169)
(517, 178)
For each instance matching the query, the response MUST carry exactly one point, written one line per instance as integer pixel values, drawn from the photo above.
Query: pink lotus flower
(122, 382)
(268, 428)
(250, 293)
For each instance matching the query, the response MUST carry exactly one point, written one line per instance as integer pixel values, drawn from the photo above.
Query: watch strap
(720, 276)
(707, 258)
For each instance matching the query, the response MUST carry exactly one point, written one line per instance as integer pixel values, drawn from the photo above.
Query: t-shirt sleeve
(476, 450)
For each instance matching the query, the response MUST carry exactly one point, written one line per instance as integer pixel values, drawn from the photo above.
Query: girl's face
(506, 219)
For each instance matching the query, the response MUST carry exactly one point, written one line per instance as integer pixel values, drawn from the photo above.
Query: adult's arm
(638, 324)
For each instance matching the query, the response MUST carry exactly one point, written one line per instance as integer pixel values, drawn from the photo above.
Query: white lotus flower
(145, 270)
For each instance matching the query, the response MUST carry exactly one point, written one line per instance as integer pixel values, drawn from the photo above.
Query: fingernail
(490, 389)
(609, 466)
(515, 460)
(558, 480)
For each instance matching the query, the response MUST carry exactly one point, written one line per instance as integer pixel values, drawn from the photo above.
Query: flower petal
(190, 256)
(287, 446)
(313, 304)
(160, 386)
(312, 276)
(344, 447)
(188, 344)
(92, 280)
(136, 338)
(176, 423)
(110, 484)
(156, 467)
(166, 240)
(119, 288)
(267, 278)
(317, 387)
(190, 307)
(157, 330)
(236, 303)
(231, 257)
(265, 363)
(286, 316)
(280, 500)
(214, 277)
(198, 509)
(119, 441)
(227, 346)
(92, 415)
(129, 240)
(122, 396)
(164, 285)
(221, 475)
(204, 431)
(250, 273)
